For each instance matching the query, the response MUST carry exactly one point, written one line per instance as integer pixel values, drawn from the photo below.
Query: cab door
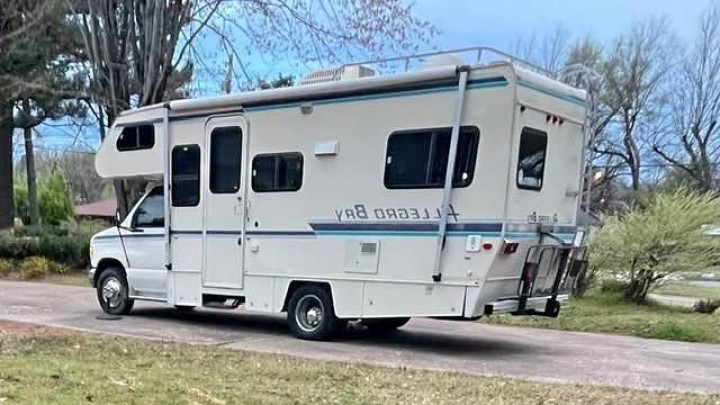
(225, 207)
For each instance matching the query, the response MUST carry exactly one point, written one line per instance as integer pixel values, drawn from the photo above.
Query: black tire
(114, 300)
(385, 325)
(184, 308)
(304, 319)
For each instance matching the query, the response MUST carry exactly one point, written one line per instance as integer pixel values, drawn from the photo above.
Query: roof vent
(445, 59)
(350, 72)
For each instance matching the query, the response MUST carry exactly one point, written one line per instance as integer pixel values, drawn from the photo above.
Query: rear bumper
(534, 306)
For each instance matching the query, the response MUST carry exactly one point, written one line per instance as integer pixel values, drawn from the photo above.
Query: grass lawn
(39, 365)
(686, 289)
(608, 313)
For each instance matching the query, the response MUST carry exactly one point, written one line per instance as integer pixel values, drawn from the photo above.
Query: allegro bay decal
(362, 211)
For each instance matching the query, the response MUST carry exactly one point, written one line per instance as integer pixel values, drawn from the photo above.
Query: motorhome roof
(329, 89)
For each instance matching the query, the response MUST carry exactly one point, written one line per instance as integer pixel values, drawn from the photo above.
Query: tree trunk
(7, 217)
(33, 208)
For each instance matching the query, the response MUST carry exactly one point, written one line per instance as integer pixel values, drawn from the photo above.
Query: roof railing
(480, 54)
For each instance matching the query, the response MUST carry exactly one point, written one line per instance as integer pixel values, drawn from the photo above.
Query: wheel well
(295, 284)
(104, 264)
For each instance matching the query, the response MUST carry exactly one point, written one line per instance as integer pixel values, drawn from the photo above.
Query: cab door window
(151, 212)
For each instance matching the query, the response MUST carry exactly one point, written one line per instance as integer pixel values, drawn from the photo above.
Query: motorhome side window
(531, 161)
(418, 158)
(136, 138)
(185, 176)
(277, 172)
(225, 159)
(151, 212)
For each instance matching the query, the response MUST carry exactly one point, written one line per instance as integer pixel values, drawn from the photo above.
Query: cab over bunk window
(136, 138)
(419, 158)
(531, 161)
(277, 172)
(185, 176)
(225, 159)
(151, 213)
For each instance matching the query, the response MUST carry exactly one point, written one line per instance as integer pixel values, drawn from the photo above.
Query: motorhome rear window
(185, 176)
(136, 137)
(418, 158)
(531, 159)
(225, 159)
(277, 172)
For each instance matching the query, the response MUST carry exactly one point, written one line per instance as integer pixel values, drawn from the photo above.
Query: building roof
(103, 209)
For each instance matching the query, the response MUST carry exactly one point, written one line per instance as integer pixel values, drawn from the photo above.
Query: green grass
(608, 313)
(76, 369)
(686, 289)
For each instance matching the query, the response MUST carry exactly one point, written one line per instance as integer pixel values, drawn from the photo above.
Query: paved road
(430, 344)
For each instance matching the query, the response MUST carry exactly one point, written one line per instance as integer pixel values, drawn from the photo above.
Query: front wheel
(311, 314)
(112, 292)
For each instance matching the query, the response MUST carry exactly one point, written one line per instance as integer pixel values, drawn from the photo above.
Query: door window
(225, 159)
(151, 212)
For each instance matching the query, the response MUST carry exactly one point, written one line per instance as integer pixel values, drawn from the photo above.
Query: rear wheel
(311, 314)
(385, 325)
(112, 292)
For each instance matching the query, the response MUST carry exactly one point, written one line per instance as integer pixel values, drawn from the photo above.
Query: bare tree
(135, 47)
(549, 50)
(692, 144)
(634, 75)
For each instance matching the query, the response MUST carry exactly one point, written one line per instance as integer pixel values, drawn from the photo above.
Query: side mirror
(117, 218)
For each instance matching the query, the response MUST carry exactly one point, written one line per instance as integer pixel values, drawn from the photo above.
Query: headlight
(92, 252)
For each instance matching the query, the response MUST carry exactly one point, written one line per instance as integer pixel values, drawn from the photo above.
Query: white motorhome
(449, 191)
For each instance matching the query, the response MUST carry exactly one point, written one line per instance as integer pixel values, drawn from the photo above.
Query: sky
(493, 23)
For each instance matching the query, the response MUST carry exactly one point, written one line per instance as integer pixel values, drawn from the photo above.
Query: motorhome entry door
(225, 206)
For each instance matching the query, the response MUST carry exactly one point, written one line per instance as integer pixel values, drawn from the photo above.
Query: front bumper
(91, 276)
(547, 306)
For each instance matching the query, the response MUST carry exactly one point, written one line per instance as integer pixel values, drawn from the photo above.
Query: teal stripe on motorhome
(552, 93)
(472, 85)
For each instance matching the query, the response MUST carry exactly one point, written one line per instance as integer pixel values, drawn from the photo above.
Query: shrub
(657, 238)
(706, 306)
(73, 251)
(34, 267)
(7, 266)
(54, 200)
(17, 248)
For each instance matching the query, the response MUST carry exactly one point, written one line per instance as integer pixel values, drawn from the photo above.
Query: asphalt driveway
(467, 347)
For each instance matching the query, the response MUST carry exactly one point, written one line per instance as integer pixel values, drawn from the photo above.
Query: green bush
(7, 266)
(67, 243)
(73, 251)
(12, 247)
(34, 267)
(54, 200)
(660, 236)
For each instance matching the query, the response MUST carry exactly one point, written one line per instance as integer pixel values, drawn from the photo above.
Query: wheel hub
(309, 313)
(111, 292)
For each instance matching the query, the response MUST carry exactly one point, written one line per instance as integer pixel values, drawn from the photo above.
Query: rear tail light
(529, 271)
(510, 247)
